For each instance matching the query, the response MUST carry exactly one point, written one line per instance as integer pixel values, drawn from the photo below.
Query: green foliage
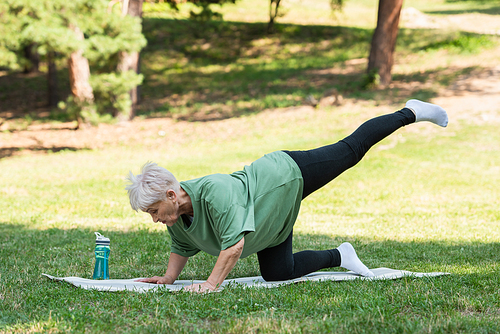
(111, 94)
(114, 35)
(371, 80)
(82, 111)
(206, 12)
(69, 108)
(49, 25)
(111, 90)
(205, 9)
(10, 40)
(275, 11)
(337, 5)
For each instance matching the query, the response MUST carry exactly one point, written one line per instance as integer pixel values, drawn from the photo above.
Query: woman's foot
(428, 112)
(350, 261)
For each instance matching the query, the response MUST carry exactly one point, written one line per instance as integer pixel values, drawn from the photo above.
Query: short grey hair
(150, 186)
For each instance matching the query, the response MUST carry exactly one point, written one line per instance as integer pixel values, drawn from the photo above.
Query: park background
(217, 95)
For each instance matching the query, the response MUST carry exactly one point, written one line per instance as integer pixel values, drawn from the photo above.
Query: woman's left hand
(201, 287)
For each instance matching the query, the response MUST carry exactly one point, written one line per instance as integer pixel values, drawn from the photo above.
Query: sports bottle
(101, 269)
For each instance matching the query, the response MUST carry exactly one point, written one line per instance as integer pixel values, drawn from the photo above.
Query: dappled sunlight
(14, 191)
(43, 326)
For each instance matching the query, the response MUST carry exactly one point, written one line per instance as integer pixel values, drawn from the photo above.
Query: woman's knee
(274, 275)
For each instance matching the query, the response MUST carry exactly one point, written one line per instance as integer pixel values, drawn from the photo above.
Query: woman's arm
(225, 263)
(175, 265)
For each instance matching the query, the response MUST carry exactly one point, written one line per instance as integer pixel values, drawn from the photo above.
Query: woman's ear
(171, 195)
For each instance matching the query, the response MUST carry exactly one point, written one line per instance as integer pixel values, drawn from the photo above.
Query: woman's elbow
(239, 245)
(237, 248)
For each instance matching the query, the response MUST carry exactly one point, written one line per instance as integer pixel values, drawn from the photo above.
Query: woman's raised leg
(322, 165)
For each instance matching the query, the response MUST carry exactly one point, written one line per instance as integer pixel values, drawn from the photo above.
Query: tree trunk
(52, 79)
(130, 61)
(384, 41)
(79, 73)
(31, 54)
(272, 16)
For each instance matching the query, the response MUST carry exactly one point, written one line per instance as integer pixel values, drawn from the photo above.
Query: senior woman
(254, 210)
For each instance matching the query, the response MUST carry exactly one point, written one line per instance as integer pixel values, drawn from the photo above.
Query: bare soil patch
(474, 97)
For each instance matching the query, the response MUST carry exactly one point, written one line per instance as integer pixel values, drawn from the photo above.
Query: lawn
(218, 70)
(425, 199)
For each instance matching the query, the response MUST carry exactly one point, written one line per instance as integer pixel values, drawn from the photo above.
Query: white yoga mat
(256, 281)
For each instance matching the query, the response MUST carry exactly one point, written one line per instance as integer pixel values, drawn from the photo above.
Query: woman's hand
(157, 280)
(225, 263)
(175, 265)
(201, 287)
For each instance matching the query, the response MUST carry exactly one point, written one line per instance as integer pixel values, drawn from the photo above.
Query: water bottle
(101, 269)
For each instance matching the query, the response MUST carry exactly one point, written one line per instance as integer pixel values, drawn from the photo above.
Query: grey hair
(150, 186)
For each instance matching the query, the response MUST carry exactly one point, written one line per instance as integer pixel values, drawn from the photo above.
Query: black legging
(319, 167)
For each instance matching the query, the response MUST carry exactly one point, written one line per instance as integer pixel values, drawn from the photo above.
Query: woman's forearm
(225, 263)
(175, 265)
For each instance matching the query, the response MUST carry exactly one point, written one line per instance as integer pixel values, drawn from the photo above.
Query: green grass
(425, 199)
(233, 68)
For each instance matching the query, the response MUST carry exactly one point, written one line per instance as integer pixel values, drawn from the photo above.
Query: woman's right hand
(157, 280)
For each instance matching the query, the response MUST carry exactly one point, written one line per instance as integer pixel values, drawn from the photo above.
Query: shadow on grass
(139, 253)
(442, 76)
(494, 8)
(226, 42)
(6, 152)
(233, 68)
(230, 68)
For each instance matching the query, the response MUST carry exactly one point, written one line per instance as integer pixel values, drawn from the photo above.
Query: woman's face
(166, 211)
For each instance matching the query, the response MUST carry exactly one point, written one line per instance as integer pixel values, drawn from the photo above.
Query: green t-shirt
(260, 203)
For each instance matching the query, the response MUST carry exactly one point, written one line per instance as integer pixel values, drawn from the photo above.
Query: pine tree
(130, 61)
(9, 38)
(82, 31)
